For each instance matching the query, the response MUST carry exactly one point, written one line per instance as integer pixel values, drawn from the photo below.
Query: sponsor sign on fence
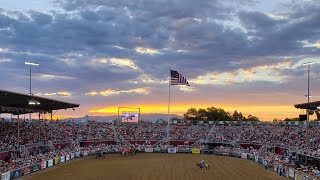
(36, 167)
(172, 150)
(68, 157)
(291, 172)
(256, 158)
(251, 156)
(43, 164)
(16, 174)
(56, 161)
(85, 153)
(62, 159)
(72, 155)
(77, 154)
(196, 151)
(27, 170)
(148, 150)
(158, 149)
(50, 163)
(244, 155)
(5, 176)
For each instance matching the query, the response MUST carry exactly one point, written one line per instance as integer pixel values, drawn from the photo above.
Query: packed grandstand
(281, 146)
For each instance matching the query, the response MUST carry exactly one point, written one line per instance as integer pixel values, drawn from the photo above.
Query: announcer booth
(312, 107)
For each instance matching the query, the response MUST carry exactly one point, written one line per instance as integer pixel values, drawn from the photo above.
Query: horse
(133, 152)
(100, 155)
(124, 153)
(128, 152)
(205, 167)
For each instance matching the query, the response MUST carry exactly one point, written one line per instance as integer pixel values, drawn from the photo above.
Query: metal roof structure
(310, 106)
(18, 103)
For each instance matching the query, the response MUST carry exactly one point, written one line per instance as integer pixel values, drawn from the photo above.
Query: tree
(216, 114)
(235, 116)
(191, 114)
(252, 118)
(202, 114)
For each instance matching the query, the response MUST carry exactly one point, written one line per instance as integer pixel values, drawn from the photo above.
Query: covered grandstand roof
(311, 105)
(18, 103)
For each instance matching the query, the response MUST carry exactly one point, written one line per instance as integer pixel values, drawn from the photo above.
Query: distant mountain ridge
(144, 117)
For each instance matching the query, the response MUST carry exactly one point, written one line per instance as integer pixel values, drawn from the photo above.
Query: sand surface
(155, 167)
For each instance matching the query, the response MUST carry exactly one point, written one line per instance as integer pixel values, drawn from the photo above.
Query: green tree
(202, 114)
(252, 118)
(191, 114)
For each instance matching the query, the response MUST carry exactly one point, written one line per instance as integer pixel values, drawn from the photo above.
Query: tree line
(216, 114)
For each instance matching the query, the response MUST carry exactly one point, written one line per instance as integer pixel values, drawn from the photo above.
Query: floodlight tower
(30, 64)
(308, 96)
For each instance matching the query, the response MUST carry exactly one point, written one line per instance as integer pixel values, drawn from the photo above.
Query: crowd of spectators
(16, 133)
(24, 132)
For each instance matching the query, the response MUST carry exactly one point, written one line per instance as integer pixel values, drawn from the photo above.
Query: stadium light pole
(30, 64)
(308, 96)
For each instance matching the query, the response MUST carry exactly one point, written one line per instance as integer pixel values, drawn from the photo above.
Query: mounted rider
(202, 163)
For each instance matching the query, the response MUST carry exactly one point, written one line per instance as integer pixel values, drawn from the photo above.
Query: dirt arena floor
(155, 167)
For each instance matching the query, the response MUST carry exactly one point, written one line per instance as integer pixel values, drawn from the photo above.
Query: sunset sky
(238, 55)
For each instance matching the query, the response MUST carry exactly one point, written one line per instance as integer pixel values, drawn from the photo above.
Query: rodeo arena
(287, 150)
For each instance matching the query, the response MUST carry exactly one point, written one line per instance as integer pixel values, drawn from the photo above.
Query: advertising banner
(50, 163)
(291, 172)
(172, 150)
(195, 151)
(148, 150)
(36, 167)
(27, 170)
(43, 164)
(77, 154)
(5, 176)
(244, 155)
(16, 174)
(72, 156)
(62, 159)
(56, 161)
(85, 153)
(157, 149)
(256, 158)
(68, 157)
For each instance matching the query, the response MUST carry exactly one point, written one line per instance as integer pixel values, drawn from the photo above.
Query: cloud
(264, 73)
(142, 50)
(111, 92)
(93, 43)
(62, 93)
(147, 79)
(187, 88)
(308, 44)
(5, 60)
(119, 62)
(51, 77)
(3, 50)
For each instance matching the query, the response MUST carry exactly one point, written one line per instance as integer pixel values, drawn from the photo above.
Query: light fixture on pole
(30, 92)
(30, 64)
(308, 96)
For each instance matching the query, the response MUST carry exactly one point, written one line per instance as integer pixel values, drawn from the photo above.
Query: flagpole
(169, 106)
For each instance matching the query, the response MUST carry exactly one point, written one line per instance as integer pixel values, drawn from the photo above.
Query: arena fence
(279, 167)
(17, 173)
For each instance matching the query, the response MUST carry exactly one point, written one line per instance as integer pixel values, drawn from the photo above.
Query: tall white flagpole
(169, 105)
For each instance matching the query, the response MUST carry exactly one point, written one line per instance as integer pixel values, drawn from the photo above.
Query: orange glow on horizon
(265, 113)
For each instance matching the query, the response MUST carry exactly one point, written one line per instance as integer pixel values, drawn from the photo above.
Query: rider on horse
(202, 163)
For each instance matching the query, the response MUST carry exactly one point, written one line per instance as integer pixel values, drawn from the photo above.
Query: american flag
(178, 79)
